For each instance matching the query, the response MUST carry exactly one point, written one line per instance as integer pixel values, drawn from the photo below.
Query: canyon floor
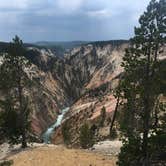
(102, 154)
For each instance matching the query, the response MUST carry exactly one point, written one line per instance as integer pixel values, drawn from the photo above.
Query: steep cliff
(85, 76)
(46, 94)
(98, 67)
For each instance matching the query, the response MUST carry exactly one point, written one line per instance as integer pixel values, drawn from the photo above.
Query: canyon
(85, 70)
(83, 79)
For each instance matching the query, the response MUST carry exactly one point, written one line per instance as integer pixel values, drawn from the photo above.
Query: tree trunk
(146, 132)
(115, 112)
(22, 114)
(150, 74)
(24, 143)
(146, 117)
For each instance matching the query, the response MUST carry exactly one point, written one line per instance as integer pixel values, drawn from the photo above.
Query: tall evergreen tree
(102, 116)
(12, 85)
(140, 87)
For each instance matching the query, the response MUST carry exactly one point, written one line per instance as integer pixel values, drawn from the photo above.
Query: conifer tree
(86, 136)
(13, 82)
(140, 87)
(102, 116)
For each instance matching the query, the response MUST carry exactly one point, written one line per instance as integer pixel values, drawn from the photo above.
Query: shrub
(102, 117)
(66, 133)
(113, 134)
(6, 163)
(86, 136)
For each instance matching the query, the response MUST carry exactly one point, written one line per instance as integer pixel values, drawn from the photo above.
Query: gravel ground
(6, 149)
(110, 148)
(101, 154)
(59, 156)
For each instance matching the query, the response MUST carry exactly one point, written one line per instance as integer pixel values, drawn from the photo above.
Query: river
(47, 135)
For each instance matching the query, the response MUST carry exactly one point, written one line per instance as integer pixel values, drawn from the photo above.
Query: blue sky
(68, 20)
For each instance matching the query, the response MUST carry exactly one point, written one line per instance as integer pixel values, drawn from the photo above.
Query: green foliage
(140, 87)
(113, 134)
(86, 136)
(13, 82)
(102, 117)
(9, 122)
(114, 43)
(131, 153)
(99, 91)
(66, 133)
(7, 163)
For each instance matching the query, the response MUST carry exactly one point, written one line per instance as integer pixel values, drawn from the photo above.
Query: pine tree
(102, 116)
(12, 85)
(86, 136)
(66, 133)
(141, 84)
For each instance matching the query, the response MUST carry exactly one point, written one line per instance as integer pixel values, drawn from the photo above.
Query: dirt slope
(60, 156)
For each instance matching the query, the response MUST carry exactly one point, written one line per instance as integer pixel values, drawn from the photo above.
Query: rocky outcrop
(89, 66)
(47, 94)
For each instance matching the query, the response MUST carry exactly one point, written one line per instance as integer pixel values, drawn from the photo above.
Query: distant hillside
(112, 42)
(4, 46)
(59, 48)
(72, 44)
(64, 45)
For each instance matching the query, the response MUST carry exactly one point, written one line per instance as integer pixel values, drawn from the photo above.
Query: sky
(69, 20)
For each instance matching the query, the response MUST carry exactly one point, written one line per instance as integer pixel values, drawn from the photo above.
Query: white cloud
(69, 5)
(114, 8)
(22, 16)
(104, 13)
(9, 19)
(61, 7)
(14, 4)
(21, 4)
